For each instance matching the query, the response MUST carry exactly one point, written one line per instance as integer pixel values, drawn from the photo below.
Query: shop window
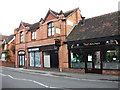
(34, 35)
(50, 29)
(77, 60)
(34, 59)
(31, 59)
(111, 61)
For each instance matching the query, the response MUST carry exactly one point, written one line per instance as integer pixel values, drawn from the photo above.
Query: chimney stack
(83, 21)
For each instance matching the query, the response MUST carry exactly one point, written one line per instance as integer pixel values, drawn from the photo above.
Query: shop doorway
(21, 58)
(51, 59)
(93, 62)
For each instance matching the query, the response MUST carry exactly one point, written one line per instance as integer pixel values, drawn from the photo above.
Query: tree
(13, 49)
(7, 55)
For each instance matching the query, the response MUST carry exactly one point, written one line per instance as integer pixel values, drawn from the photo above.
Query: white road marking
(65, 77)
(77, 78)
(90, 80)
(28, 80)
(2, 74)
(41, 84)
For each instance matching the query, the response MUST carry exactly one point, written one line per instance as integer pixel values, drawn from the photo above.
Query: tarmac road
(24, 79)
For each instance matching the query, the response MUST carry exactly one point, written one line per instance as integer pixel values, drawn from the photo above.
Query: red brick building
(2, 37)
(41, 45)
(8, 51)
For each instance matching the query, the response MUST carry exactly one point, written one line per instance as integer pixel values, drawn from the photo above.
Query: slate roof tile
(96, 27)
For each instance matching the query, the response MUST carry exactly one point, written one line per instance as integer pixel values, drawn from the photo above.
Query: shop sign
(87, 44)
(108, 42)
(33, 49)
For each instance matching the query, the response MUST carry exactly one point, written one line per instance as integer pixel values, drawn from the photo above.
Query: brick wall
(75, 18)
(108, 72)
(49, 17)
(63, 56)
(42, 37)
(73, 70)
(46, 69)
(7, 64)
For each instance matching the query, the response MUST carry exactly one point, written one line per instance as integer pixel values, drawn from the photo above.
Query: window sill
(33, 39)
(21, 42)
(50, 36)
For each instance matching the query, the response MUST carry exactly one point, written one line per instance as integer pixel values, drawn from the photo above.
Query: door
(47, 59)
(93, 62)
(21, 60)
(54, 59)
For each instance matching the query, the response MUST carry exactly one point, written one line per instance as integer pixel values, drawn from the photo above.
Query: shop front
(50, 56)
(43, 56)
(34, 57)
(95, 56)
(94, 46)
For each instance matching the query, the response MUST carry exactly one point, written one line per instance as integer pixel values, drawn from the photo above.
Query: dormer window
(21, 36)
(34, 35)
(50, 29)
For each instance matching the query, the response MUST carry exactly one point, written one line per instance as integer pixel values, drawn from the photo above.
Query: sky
(12, 12)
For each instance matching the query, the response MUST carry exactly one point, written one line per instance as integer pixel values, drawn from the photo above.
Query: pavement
(87, 76)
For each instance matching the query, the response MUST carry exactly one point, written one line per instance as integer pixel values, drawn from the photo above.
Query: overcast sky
(30, 11)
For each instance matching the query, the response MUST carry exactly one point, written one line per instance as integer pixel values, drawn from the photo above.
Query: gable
(21, 27)
(50, 17)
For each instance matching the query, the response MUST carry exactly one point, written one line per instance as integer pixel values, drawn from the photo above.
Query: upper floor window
(50, 29)
(34, 35)
(21, 36)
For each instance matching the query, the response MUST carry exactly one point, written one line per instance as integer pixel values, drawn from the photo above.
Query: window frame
(73, 62)
(34, 60)
(33, 35)
(50, 29)
(21, 37)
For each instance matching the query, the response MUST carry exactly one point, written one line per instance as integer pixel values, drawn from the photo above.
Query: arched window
(21, 53)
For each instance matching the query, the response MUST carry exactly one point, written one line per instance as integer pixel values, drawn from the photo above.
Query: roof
(34, 26)
(70, 11)
(9, 38)
(25, 24)
(96, 27)
(3, 37)
(55, 14)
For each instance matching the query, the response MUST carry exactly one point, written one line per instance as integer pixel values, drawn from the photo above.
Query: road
(20, 79)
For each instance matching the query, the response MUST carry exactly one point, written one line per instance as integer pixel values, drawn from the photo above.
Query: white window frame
(51, 30)
(21, 36)
(33, 35)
